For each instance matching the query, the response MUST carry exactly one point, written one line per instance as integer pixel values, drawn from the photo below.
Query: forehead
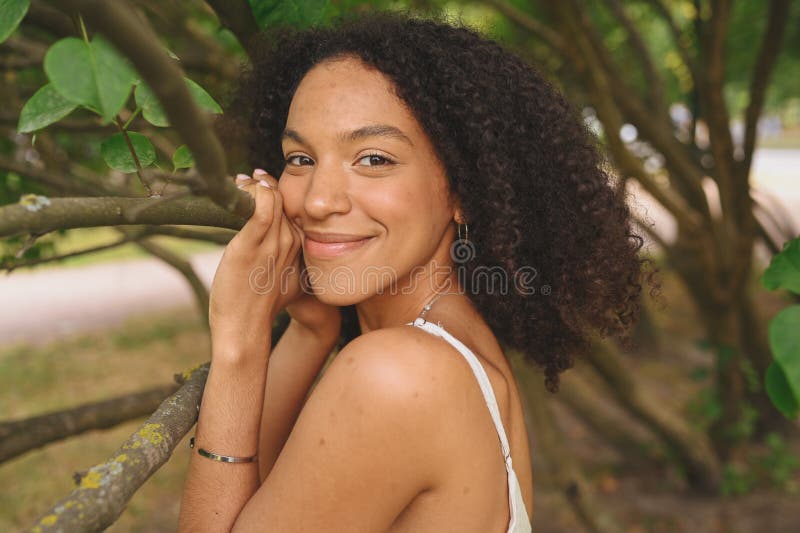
(346, 93)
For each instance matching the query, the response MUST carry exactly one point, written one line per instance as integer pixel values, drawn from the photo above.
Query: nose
(327, 192)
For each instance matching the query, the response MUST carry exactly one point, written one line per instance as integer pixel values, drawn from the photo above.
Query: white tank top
(520, 521)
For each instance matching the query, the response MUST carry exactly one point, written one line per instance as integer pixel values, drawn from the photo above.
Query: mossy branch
(104, 489)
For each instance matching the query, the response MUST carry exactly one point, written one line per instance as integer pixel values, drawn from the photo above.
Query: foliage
(783, 375)
(11, 14)
(771, 465)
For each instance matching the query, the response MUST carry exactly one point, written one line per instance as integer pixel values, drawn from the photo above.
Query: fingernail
(260, 172)
(263, 183)
(243, 177)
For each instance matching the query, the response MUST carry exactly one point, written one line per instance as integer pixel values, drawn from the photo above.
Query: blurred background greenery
(697, 105)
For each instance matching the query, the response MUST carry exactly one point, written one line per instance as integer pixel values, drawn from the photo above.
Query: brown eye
(299, 160)
(374, 160)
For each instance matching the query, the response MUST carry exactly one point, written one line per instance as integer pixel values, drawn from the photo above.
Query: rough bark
(104, 489)
(68, 213)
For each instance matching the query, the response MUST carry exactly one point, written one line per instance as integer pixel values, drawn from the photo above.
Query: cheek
(292, 192)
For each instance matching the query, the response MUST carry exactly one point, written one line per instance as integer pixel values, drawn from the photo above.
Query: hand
(258, 274)
(319, 319)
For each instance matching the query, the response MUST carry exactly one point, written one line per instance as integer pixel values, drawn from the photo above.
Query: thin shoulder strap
(480, 374)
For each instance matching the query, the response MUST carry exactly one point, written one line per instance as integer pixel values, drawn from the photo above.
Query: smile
(331, 246)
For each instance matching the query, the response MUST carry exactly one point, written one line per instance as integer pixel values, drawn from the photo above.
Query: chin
(339, 300)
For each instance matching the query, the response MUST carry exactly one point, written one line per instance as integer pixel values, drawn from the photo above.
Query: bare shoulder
(370, 431)
(399, 363)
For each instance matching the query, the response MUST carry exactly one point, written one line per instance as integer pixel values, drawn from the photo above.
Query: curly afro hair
(527, 173)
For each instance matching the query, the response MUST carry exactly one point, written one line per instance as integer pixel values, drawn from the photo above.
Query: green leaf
(154, 114)
(779, 391)
(93, 75)
(298, 13)
(202, 98)
(11, 14)
(117, 155)
(114, 77)
(182, 158)
(783, 271)
(43, 108)
(151, 109)
(68, 65)
(784, 340)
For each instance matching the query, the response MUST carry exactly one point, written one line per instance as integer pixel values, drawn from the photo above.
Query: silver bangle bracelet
(222, 458)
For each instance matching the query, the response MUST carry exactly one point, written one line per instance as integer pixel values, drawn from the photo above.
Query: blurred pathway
(42, 305)
(38, 306)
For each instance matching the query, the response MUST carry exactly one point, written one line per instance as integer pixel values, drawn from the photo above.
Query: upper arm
(364, 445)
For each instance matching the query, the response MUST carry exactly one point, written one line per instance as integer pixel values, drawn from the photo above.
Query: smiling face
(363, 183)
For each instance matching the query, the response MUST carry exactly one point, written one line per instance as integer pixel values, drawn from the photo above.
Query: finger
(273, 238)
(258, 225)
(243, 180)
(261, 174)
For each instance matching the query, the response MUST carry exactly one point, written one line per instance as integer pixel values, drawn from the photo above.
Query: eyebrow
(373, 130)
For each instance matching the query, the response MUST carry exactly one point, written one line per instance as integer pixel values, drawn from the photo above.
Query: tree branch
(713, 38)
(20, 436)
(693, 449)
(618, 103)
(66, 213)
(219, 236)
(237, 16)
(104, 489)
(44, 260)
(53, 180)
(632, 441)
(50, 19)
(654, 81)
(185, 268)
(765, 62)
(678, 37)
(562, 466)
(136, 40)
(551, 38)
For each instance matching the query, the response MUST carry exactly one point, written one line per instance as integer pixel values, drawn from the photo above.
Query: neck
(405, 302)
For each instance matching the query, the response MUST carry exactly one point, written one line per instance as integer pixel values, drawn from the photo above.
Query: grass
(142, 353)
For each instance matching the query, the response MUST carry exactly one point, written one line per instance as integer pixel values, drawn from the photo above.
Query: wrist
(240, 353)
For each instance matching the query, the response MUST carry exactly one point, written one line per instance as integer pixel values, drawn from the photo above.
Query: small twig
(130, 118)
(30, 240)
(42, 260)
(134, 155)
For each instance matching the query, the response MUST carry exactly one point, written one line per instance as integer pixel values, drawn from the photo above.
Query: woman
(392, 137)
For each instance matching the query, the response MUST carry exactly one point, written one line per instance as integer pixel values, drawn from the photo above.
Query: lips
(328, 245)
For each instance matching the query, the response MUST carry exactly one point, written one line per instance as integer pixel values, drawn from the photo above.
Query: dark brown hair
(528, 174)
